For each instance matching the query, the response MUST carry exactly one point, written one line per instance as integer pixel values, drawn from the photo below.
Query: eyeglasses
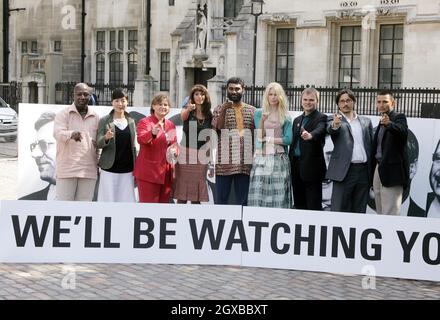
(42, 144)
(345, 101)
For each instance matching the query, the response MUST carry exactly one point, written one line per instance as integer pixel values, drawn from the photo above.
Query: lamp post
(256, 11)
(83, 38)
(148, 39)
(6, 14)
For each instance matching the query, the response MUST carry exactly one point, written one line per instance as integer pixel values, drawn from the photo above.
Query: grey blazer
(109, 149)
(343, 147)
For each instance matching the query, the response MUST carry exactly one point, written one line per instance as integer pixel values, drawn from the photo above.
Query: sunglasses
(42, 144)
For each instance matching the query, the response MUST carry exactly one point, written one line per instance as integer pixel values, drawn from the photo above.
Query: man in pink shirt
(75, 131)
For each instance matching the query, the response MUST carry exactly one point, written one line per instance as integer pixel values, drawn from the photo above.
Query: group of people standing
(267, 158)
(85, 142)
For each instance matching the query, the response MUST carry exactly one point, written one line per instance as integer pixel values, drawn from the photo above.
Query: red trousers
(153, 192)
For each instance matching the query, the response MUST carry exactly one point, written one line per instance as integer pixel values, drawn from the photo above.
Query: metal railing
(409, 100)
(103, 92)
(11, 93)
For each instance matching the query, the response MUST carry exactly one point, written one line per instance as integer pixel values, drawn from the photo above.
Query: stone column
(42, 93)
(367, 55)
(144, 91)
(215, 90)
(54, 74)
(175, 70)
(25, 92)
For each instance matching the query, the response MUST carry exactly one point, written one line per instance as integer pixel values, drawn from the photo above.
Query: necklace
(200, 121)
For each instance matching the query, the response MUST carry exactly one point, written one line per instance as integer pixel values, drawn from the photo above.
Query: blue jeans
(223, 188)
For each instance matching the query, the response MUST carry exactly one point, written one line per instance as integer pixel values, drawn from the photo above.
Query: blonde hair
(282, 100)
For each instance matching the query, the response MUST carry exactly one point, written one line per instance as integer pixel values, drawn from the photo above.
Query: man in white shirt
(350, 163)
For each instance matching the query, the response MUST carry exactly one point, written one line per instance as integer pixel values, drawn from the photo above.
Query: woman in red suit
(158, 142)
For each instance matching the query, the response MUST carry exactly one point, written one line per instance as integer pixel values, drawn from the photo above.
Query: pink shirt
(76, 159)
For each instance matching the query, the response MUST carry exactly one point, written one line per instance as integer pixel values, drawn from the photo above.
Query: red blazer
(151, 164)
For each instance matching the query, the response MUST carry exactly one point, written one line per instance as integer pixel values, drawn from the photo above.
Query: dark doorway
(33, 92)
(201, 76)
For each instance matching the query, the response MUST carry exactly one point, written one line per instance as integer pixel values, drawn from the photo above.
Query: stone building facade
(374, 43)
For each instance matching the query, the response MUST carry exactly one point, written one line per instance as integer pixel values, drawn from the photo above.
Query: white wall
(422, 55)
(311, 60)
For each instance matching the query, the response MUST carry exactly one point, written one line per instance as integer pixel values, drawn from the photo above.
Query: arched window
(132, 68)
(100, 68)
(116, 69)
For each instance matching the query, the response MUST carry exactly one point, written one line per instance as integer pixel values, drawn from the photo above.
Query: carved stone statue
(201, 30)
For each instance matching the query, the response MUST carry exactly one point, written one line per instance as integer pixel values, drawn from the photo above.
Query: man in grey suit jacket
(350, 163)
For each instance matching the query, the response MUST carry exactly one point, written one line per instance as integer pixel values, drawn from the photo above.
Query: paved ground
(100, 281)
(130, 281)
(8, 149)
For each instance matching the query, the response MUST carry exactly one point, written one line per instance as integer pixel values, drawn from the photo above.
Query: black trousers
(307, 195)
(351, 194)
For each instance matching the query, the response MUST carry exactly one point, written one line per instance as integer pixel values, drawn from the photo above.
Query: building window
(57, 46)
(34, 47)
(232, 8)
(132, 39)
(390, 56)
(24, 47)
(132, 68)
(164, 71)
(171, 2)
(100, 41)
(112, 40)
(116, 63)
(121, 40)
(116, 69)
(100, 68)
(285, 56)
(350, 57)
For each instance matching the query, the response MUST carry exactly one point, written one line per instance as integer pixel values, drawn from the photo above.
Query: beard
(235, 97)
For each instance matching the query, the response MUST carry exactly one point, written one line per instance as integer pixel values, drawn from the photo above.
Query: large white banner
(80, 232)
(75, 232)
(346, 243)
